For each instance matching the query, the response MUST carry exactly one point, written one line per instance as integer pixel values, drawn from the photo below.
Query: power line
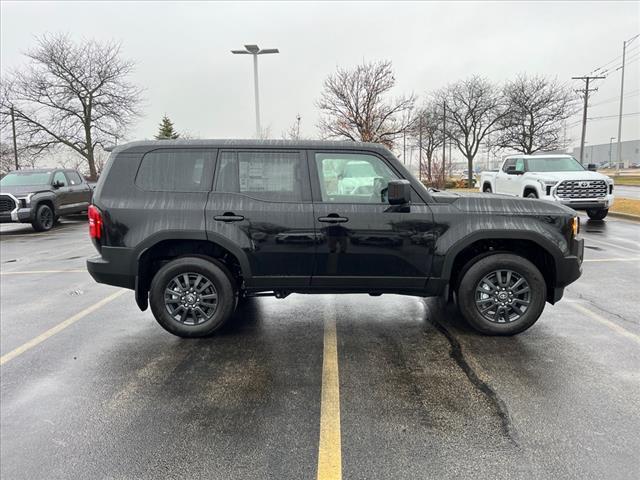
(615, 99)
(614, 116)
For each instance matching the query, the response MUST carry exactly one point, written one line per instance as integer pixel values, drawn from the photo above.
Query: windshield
(554, 164)
(25, 178)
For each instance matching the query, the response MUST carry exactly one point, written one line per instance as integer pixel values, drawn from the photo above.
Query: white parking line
(40, 272)
(607, 323)
(628, 259)
(58, 328)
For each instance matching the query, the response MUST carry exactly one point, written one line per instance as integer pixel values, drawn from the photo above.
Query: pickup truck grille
(570, 189)
(6, 204)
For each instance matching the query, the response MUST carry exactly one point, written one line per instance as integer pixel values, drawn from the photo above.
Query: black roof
(145, 145)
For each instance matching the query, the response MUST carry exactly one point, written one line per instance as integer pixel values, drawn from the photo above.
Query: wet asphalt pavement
(627, 191)
(113, 395)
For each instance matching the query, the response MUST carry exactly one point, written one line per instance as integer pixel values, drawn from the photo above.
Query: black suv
(41, 196)
(194, 227)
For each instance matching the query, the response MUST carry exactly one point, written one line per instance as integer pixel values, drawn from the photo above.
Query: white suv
(559, 178)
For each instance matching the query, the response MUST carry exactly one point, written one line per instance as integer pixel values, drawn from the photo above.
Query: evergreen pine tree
(166, 131)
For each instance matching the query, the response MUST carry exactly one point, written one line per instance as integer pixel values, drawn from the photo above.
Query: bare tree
(426, 133)
(536, 109)
(474, 108)
(355, 106)
(72, 95)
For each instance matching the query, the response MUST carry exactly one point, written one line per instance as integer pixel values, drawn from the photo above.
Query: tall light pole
(255, 51)
(610, 142)
(624, 51)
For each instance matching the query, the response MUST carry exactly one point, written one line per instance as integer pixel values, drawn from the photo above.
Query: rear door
(79, 192)
(364, 243)
(261, 205)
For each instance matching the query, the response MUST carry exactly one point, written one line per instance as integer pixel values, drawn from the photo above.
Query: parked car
(41, 196)
(559, 178)
(194, 227)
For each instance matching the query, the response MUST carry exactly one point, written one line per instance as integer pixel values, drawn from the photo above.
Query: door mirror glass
(592, 167)
(399, 192)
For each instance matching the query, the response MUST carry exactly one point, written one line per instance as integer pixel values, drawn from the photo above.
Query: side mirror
(57, 184)
(592, 167)
(511, 170)
(399, 192)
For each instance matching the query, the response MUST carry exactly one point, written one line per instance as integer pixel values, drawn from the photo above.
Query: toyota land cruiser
(194, 227)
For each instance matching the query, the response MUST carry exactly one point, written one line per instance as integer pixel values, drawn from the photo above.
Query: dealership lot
(93, 388)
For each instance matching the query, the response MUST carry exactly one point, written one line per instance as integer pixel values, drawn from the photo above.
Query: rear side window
(74, 178)
(269, 176)
(175, 170)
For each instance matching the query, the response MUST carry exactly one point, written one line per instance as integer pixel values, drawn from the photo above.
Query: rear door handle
(333, 218)
(228, 217)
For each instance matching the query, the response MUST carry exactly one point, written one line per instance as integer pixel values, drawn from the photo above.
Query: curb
(626, 216)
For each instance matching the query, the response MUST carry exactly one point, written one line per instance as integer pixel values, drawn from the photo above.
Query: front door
(364, 243)
(261, 204)
(64, 198)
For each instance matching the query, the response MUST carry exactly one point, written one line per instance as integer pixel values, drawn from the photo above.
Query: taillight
(95, 222)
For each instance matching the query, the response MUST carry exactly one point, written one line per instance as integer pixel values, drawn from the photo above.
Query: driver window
(59, 177)
(509, 163)
(353, 178)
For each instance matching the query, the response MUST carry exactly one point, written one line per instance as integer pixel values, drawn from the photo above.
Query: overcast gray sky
(183, 59)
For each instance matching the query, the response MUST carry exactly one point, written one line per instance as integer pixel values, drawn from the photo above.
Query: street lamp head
(254, 50)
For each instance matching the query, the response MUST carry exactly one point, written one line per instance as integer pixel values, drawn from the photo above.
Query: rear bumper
(113, 267)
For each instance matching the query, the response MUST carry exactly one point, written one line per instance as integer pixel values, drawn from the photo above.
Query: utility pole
(444, 142)
(619, 146)
(15, 143)
(586, 91)
(255, 51)
(610, 142)
(420, 148)
(404, 145)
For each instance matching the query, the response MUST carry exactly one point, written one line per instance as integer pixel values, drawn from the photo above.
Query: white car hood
(558, 176)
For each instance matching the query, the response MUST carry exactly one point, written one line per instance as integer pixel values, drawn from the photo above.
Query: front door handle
(228, 217)
(333, 218)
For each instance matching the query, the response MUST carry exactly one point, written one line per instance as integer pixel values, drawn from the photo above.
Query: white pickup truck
(559, 178)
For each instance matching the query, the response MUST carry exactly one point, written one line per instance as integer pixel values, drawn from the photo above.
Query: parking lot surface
(93, 388)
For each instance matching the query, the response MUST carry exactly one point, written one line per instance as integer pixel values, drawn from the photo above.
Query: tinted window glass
(60, 178)
(74, 178)
(509, 163)
(353, 178)
(173, 170)
(270, 176)
(25, 178)
(520, 164)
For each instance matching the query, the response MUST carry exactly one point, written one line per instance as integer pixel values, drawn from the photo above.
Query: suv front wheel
(192, 297)
(502, 294)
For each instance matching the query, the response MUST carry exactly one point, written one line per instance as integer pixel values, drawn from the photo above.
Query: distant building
(605, 153)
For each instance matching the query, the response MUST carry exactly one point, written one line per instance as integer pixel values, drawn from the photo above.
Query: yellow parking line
(607, 323)
(612, 259)
(329, 448)
(29, 272)
(58, 328)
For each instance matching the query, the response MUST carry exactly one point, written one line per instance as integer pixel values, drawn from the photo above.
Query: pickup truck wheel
(532, 195)
(486, 189)
(44, 219)
(191, 297)
(502, 294)
(597, 213)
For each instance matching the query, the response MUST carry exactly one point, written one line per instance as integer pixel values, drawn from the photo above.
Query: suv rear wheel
(192, 297)
(502, 294)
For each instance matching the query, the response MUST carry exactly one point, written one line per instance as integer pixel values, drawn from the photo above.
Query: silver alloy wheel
(191, 298)
(502, 296)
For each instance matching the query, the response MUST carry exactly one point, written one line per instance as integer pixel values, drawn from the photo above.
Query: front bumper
(18, 214)
(568, 269)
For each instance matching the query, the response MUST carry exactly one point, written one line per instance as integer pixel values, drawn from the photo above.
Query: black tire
(469, 294)
(597, 213)
(44, 219)
(486, 189)
(221, 286)
(532, 195)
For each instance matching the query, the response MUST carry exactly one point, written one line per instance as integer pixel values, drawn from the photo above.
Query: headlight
(547, 185)
(26, 200)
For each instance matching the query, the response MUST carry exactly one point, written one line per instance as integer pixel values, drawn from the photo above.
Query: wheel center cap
(191, 298)
(503, 296)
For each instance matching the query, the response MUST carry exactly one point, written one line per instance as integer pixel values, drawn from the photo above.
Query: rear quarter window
(175, 170)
